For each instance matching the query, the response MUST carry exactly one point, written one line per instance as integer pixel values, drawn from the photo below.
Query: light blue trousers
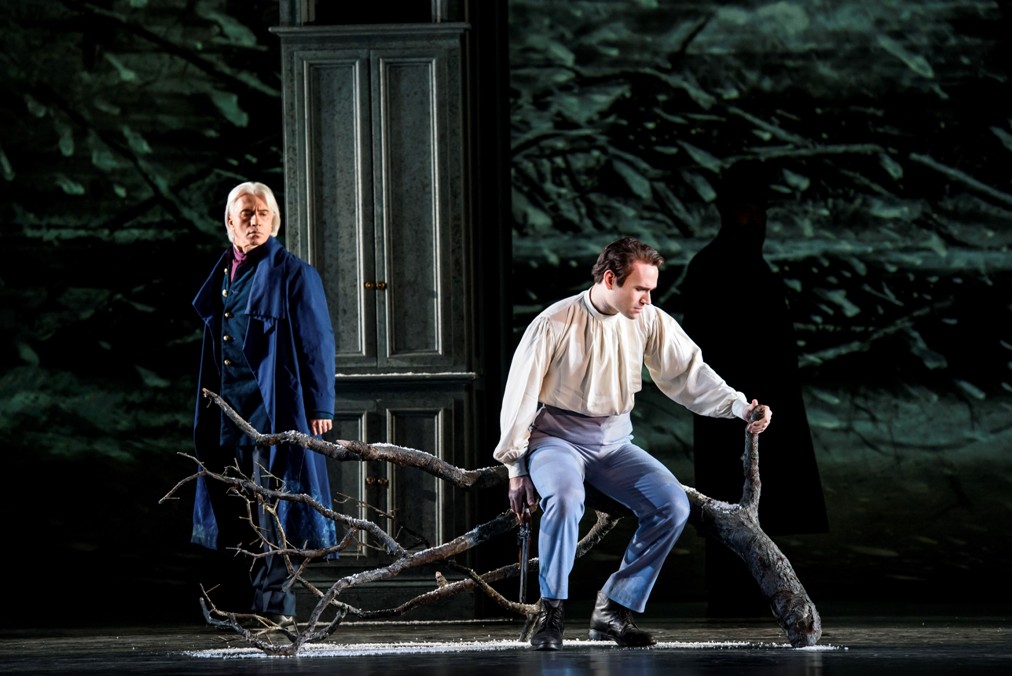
(567, 449)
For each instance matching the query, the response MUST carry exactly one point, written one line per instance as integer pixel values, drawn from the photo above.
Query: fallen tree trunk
(737, 528)
(734, 525)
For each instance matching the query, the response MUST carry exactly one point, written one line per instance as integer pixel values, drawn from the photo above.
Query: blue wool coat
(289, 346)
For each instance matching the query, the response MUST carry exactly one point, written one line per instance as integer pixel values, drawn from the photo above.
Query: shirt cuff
(738, 407)
(518, 468)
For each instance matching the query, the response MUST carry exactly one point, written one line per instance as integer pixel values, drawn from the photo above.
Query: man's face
(250, 222)
(634, 294)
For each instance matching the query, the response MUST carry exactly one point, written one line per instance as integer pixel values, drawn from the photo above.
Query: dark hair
(619, 257)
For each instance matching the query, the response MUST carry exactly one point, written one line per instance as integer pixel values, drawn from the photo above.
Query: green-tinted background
(125, 123)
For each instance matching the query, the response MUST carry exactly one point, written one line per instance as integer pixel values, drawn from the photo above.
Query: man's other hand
(321, 426)
(522, 494)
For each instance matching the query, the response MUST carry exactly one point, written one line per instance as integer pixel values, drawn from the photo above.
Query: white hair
(256, 190)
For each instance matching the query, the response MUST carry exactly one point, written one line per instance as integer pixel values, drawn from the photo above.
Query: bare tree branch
(737, 527)
(734, 525)
(357, 450)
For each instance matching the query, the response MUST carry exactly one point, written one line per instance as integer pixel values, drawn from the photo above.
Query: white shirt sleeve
(520, 399)
(676, 365)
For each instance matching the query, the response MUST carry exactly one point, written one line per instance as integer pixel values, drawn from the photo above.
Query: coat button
(228, 315)
(226, 338)
(224, 292)
(228, 362)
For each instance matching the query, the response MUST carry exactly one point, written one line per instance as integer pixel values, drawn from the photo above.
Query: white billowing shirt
(575, 358)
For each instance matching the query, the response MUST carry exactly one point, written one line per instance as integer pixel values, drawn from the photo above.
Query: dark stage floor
(914, 641)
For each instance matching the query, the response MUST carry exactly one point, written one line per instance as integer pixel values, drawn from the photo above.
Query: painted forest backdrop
(888, 128)
(887, 132)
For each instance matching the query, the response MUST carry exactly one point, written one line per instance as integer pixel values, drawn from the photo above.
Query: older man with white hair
(268, 349)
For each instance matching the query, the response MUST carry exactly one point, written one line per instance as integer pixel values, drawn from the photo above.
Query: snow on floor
(431, 647)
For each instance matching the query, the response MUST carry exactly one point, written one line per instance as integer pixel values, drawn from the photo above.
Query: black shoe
(548, 626)
(613, 621)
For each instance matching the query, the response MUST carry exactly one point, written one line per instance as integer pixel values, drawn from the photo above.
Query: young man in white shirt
(565, 421)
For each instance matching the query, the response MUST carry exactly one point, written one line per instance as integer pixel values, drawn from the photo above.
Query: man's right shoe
(548, 627)
(613, 621)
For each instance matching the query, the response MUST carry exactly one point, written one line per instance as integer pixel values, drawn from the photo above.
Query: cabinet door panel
(417, 496)
(423, 420)
(339, 203)
(411, 209)
(348, 479)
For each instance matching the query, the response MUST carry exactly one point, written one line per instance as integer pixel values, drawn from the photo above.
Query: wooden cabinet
(397, 191)
(377, 200)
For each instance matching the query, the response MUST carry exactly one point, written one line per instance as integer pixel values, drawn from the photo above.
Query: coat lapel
(267, 295)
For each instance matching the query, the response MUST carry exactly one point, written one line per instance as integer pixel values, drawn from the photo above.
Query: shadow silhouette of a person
(757, 352)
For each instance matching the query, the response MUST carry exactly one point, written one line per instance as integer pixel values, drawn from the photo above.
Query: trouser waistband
(582, 429)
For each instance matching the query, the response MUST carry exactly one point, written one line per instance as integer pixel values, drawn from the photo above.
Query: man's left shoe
(613, 621)
(549, 625)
